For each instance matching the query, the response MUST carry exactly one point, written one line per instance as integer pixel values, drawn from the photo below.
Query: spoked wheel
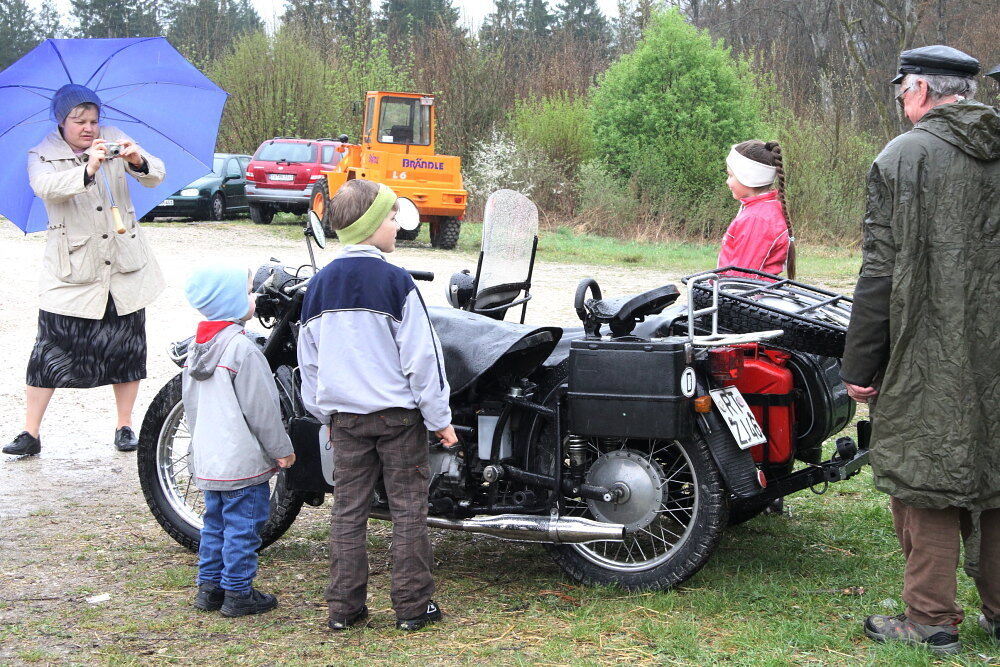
(167, 481)
(672, 502)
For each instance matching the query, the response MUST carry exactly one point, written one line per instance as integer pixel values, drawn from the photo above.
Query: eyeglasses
(899, 97)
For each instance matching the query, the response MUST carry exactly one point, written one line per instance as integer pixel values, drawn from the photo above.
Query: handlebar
(421, 275)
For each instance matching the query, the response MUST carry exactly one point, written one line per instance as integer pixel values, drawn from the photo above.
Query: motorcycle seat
(631, 308)
(479, 348)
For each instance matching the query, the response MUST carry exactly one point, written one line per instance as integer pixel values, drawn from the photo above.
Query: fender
(736, 465)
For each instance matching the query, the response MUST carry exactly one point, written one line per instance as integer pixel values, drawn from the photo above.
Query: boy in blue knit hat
(238, 445)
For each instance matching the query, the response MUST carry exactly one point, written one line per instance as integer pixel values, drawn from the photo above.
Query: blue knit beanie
(219, 293)
(70, 96)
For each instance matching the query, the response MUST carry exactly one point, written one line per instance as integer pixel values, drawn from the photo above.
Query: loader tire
(445, 233)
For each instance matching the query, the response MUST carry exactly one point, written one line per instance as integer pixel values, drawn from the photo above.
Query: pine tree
(402, 19)
(503, 24)
(633, 17)
(204, 29)
(536, 19)
(18, 32)
(49, 21)
(115, 18)
(583, 20)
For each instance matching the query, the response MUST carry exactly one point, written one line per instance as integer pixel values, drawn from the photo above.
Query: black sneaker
(992, 628)
(210, 597)
(338, 623)
(244, 603)
(24, 444)
(125, 440)
(432, 615)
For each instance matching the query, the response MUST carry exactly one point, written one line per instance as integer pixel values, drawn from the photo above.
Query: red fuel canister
(766, 383)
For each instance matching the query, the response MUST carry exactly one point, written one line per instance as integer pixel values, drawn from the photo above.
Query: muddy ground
(73, 522)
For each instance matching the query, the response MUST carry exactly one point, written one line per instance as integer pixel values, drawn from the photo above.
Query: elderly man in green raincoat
(923, 346)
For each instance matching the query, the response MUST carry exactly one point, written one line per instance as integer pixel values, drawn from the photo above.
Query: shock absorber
(576, 449)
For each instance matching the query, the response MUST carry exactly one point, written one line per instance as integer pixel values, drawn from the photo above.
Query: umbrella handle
(116, 214)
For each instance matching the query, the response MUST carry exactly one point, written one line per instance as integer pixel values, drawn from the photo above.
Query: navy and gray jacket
(367, 344)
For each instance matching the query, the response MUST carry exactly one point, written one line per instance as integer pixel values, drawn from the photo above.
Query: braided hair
(770, 154)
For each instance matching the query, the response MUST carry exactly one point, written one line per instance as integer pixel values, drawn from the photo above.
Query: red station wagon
(281, 175)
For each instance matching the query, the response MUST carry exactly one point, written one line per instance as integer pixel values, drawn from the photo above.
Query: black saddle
(620, 314)
(479, 348)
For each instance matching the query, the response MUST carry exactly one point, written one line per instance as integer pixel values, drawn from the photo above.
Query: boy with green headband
(373, 372)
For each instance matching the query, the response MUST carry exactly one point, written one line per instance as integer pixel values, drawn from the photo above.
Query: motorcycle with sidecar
(625, 445)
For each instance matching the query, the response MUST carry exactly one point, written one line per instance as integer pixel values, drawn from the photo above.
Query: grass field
(780, 590)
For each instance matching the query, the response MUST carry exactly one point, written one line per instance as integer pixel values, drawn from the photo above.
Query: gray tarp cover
(473, 343)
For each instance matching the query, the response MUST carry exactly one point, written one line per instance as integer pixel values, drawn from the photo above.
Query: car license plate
(738, 417)
(282, 177)
(167, 202)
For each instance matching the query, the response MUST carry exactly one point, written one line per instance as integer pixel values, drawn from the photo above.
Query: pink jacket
(757, 237)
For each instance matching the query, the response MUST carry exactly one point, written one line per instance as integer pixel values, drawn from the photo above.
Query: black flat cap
(995, 73)
(937, 59)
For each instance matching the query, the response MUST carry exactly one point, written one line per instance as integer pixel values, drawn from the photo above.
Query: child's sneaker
(992, 627)
(338, 623)
(938, 638)
(210, 597)
(432, 615)
(244, 603)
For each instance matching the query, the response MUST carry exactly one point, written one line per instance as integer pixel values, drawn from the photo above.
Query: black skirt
(79, 353)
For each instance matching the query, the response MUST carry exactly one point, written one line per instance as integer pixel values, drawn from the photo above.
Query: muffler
(527, 527)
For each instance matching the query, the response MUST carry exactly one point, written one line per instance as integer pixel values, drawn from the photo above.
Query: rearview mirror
(316, 229)
(407, 215)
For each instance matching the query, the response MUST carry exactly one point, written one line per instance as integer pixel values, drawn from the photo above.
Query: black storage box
(307, 473)
(628, 389)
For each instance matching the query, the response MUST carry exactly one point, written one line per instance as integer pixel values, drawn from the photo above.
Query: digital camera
(112, 149)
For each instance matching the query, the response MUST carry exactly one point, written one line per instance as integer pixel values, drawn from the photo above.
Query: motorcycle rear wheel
(167, 484)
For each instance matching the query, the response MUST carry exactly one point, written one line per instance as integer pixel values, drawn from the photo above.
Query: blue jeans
(227, 555)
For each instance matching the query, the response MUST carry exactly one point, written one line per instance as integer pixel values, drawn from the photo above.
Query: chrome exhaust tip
(528, 527)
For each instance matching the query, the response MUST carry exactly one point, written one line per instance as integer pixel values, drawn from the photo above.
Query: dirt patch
(74, 525)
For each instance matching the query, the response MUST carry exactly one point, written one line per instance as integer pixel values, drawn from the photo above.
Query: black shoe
(338, 623)
(210, 597)
(244, 603)
(125, 440)
(24, 444)
(432, 615)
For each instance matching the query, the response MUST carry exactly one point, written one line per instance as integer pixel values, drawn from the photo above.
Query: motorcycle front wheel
(167, 483)
(674, 515)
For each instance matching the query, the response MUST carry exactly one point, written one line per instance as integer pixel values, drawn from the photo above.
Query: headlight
(189, 192)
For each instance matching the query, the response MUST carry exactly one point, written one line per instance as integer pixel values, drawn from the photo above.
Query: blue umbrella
(147, 89)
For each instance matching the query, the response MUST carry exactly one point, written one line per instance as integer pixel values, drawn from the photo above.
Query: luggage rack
(715, 339)
(782, 288)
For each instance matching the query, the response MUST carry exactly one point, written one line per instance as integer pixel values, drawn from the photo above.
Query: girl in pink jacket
(760, 236)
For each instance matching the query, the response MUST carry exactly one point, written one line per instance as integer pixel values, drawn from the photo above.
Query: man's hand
(448, 437)
(96, 155)
(130, 151)
(861, 394)
(286, 461)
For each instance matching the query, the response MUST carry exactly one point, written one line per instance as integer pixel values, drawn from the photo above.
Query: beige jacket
(84, 258)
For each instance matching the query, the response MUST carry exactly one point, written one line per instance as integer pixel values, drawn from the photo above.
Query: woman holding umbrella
(99, 273)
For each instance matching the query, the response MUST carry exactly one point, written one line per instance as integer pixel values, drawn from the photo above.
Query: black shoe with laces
(210, 597)
(24, 444)
(432, 615)
(338, 623)
(125, 440)
(244, 603)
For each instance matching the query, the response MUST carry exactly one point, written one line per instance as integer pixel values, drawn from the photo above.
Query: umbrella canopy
(147, 89)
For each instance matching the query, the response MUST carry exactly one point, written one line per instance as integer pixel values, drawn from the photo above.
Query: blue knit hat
(70, 96)
(219, 293)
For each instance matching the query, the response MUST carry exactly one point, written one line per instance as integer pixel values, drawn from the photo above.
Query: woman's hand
(130, 151)
(96, 155)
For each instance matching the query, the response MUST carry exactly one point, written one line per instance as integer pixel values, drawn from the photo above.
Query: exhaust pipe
(527, 527)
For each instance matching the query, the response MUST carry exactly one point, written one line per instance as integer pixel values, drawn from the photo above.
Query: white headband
(749, 172)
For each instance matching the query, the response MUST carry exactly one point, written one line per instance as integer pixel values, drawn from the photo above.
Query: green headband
(365, 226)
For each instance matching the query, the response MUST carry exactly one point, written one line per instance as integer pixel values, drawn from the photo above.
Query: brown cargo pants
(395, 442)
(931, 546)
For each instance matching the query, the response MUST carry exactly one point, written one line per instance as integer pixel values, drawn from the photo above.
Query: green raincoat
(926, 322)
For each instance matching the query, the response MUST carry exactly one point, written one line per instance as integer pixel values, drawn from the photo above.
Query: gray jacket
(227, 379)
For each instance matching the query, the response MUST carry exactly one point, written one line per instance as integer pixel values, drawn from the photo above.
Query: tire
(595, 563)
(444, 234)
(810, 335)
(261, 214)
(180, 517)
(217, 207)
(408, 234)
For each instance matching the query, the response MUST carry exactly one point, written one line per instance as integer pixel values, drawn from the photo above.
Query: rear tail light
(315, 177)
(725, 364)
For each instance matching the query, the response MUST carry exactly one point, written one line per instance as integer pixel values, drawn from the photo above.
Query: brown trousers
(931, 541)
(395, 442)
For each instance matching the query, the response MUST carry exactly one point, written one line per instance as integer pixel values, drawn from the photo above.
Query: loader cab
(404, 121)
